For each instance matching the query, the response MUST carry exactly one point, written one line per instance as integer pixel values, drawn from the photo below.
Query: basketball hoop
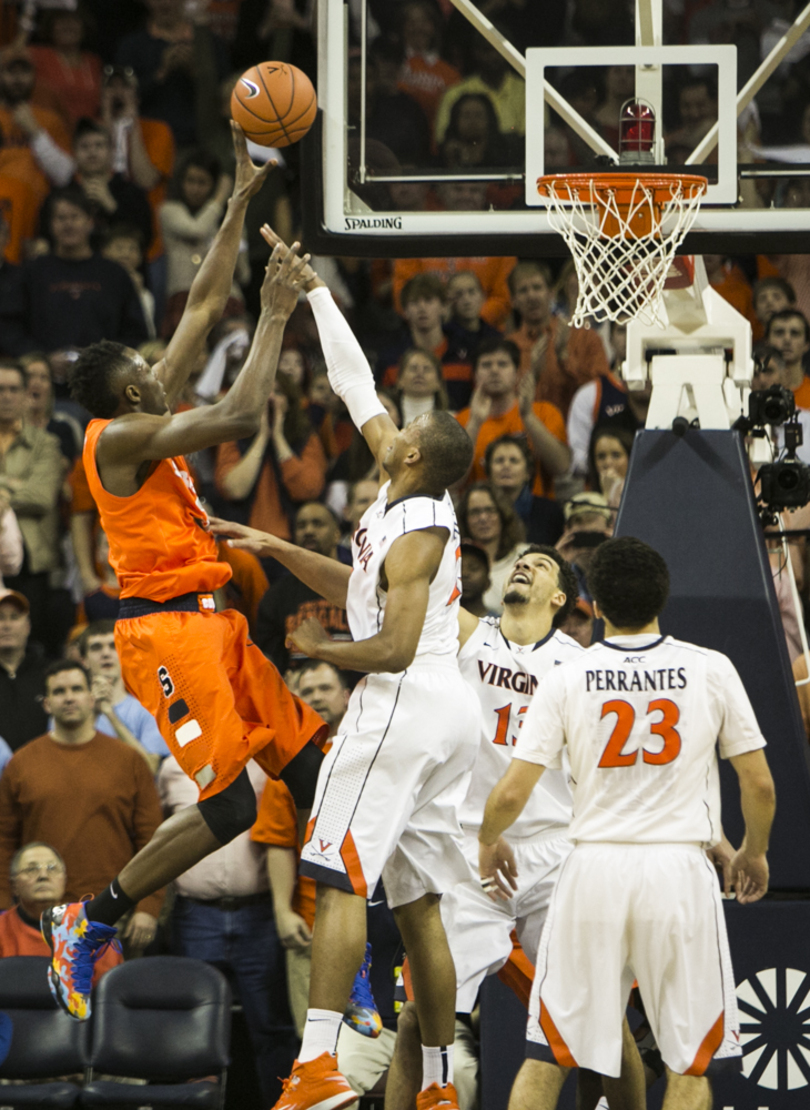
(623, 230)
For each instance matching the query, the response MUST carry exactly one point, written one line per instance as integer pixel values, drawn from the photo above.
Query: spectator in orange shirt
(283, 465)
(492, 275)
(35, 142)
(426, 74)
(503, 406)
(38, 879)
(71, 76)
(143, 149)
(560, 358)
(727, 279)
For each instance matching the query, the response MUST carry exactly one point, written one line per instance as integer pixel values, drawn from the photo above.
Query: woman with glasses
(486, 517)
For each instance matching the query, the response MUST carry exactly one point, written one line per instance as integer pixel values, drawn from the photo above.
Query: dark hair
(313, 664)
(440, 401)
(59, 666)
(629, 581)
(513, 531)
(699, 81)
(92, 374)
(71, 194)
(788, 314)
(509, 441)
(493, 344)
(123, 231)
(775, 283)
(616, 431)
(321, 505)
(566, 579)
(427, 286)
(446, 454)
(200, 159)
(495, 151)
(95, 628)
(88, 126)
(528, 266)
(15, 859)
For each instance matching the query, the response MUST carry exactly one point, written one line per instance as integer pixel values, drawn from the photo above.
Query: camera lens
(774, 410)
(787, 480)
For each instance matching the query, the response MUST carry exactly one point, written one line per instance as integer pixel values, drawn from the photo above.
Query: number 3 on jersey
(613, 756)
(503, 715)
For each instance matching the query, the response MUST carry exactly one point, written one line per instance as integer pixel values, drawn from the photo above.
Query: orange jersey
(159, 548)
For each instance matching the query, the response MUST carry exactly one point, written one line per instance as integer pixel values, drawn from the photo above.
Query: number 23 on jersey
(614, 754)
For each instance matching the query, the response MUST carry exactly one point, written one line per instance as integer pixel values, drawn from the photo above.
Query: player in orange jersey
(217, 700)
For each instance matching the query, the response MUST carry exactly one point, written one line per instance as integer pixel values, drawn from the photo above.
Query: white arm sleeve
(57, 166)
(580, 426)
(349, 372)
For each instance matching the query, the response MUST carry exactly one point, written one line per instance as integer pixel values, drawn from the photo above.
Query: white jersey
(505, 676)
(641, 718)
(382, 524)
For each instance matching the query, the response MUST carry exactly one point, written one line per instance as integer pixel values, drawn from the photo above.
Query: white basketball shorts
(389, 790)
(620, 912)
(478, 929)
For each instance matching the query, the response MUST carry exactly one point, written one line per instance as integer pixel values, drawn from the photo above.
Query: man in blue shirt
(119, 714)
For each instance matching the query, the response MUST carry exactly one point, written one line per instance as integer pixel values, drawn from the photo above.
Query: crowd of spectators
(115, 163)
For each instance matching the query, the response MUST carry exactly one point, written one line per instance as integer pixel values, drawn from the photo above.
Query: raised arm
(130, 440)
(326, 576)
(410, 566)
(349, 372)
(210, 288)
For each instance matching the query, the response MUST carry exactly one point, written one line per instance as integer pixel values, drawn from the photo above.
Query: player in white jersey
(641, 716)
(503, 660)
(387, 800)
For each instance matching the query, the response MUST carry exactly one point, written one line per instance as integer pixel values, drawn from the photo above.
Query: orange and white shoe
(434, 1095)
(316, 1085)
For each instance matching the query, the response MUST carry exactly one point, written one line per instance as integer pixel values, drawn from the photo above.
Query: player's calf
(537, 1086)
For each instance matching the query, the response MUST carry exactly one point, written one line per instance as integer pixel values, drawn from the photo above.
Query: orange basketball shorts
(217, 699)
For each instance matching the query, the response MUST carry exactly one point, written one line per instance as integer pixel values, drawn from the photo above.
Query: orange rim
(621, 185)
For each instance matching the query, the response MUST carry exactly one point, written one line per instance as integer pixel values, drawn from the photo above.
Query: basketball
(274, 103)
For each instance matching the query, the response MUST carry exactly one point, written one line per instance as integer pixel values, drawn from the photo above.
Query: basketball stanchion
(623, 230)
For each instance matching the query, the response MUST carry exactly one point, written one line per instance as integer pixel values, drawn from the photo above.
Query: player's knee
(408, 1023)
(300, 776)
(232, 811)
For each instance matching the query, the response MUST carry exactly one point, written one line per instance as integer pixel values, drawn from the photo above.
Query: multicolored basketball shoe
(361, 1013)
(316, 1085)
(75, 945)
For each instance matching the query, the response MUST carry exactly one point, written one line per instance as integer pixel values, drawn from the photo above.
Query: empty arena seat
(166, 1019)
(45, 1043)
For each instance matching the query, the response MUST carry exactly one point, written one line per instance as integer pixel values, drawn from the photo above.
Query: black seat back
(45, 1042)
(161, 1018)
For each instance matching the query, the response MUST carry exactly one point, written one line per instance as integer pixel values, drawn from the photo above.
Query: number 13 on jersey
(503, 714)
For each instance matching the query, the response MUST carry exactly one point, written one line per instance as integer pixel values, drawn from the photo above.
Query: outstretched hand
(308, 637)
(249, 177)
(239, 535)
(284, 280)
(312, 281)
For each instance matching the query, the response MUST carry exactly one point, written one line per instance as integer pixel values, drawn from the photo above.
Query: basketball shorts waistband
(131, 607)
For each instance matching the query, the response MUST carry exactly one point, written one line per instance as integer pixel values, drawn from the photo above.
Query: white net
(623, 238)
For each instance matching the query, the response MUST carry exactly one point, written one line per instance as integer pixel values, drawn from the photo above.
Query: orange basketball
(274, 103)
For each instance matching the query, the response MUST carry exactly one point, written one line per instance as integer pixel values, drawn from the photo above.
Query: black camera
(785, 484)
(770, 406)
